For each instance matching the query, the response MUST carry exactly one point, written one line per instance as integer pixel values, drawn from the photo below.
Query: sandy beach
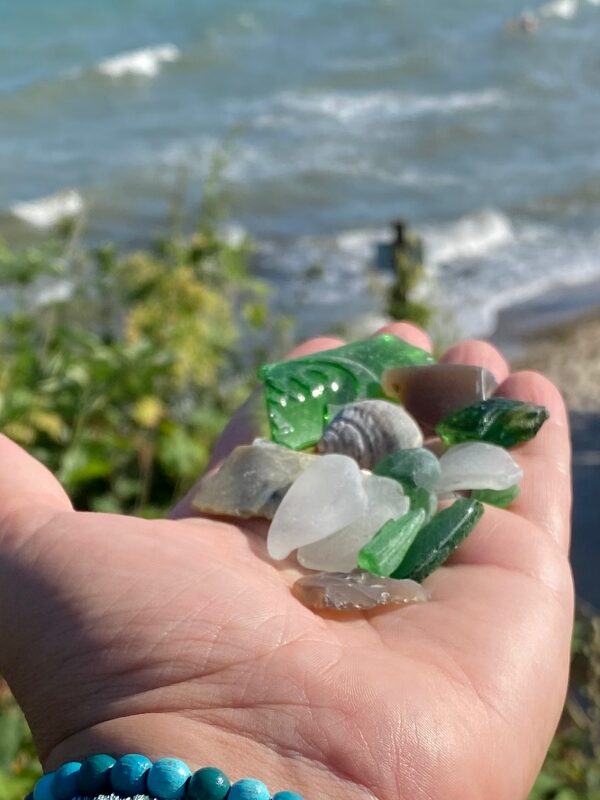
(569, 354)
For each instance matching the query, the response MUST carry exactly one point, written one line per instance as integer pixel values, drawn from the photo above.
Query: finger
(245, 425)
(409, 332)
(545, 497)
(478, 353)
(27, 489)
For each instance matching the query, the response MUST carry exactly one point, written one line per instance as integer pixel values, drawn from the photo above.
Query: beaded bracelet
(130, 775)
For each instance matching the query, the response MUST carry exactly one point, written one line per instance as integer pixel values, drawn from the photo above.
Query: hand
(180, 637)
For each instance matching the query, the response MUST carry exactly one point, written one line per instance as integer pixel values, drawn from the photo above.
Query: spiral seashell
(369, 431)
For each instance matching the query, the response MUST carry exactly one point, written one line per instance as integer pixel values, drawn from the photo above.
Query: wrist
(199, 744)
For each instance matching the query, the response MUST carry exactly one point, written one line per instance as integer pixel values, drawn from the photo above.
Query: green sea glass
(387, 548)
(439, 538)
(501, 498)
(422, 498)
(498, 421)
(300, 393)
(412, 467)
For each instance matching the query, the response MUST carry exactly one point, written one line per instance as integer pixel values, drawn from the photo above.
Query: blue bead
(128, 776)
(167, 779)
(43, 788)
(64, 785)
(208, 783)
(287, 796)
(94, 775)
(249, 789)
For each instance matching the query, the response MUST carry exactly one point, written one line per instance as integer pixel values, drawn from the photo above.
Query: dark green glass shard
(300, 392)
(498, 421)
(501, 498)
(387, 548)
(439, 538)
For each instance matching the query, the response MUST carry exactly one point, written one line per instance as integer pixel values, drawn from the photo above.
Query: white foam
(48, 211)
(345, 107)
(146, 62)
(563, 9)
(469, 237)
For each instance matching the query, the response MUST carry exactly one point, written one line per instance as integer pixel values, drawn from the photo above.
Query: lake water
(337, 116)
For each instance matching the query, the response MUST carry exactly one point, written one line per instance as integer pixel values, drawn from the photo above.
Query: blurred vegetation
(118, 371)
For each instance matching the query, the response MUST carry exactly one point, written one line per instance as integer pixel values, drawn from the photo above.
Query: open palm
(180, 637)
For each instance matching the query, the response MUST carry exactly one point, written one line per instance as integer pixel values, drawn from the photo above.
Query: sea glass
(338, 552)
(439, 538)
(477, 465)
(411, 467)
(300, 392)
(501, 499)
(422, 498)
(252, 481)
(326, 498)
(498, 420)
(370, 430)
(384, 553)
(430, 393)
(357, 591)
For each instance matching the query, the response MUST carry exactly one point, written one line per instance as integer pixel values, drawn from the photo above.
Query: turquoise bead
(128, 776)
(287, 796)
(248, 789)
(64, 785)
(208, 783)
(167, 779)
(43, 788)
(94, 775)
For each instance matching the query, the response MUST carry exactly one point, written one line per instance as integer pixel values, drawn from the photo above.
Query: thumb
(29, 493)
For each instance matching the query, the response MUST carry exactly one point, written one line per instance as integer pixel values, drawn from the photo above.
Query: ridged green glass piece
(412, 467)
(387, 548)
(439, 538)
(300, 392)
(498, 420)
(501, 498)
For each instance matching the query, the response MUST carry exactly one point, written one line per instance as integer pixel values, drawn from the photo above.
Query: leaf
(148, 411)
(49, 423)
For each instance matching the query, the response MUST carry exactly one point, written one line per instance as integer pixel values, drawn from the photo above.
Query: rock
(252, 481)
(338, 552)
(370, 430)
(357, 591)
(430, 393)
(477, 465)
(498, 420)
(326, 498)
(500, 499)
(384, 553)
(299, 392)
(439, 538)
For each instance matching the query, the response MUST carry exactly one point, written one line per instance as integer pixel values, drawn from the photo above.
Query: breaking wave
(48, 211)
(146, 62)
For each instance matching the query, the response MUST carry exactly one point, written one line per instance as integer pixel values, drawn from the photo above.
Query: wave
(48, 211)
(472, 236)
(477, 267)
(563, 9)
(146, 62)
(350, 107)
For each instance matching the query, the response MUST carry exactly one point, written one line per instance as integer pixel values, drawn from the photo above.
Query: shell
(369, 431)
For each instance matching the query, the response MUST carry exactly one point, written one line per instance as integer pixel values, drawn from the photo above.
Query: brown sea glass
(433, 392)
(355, 591)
